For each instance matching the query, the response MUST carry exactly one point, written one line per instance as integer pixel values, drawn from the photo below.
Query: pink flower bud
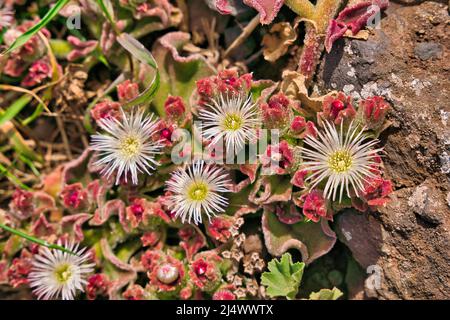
(279, 157)
(98, 285)
(165, 272)
(224, 295)
(314, 206)
(106, 109)
(135, 292)
(219, 227)
(127, 91)
(337, 109)
(174, 108)
(374, 111)
(226, 82)
(186, 293)
(276, 111)
(376, 191)
(20, 269)
(37, 73)
(74, 196)
(298, 179)
(204, 271)
(22, 203)
(298, 124)
(135, 212)
(150, 238)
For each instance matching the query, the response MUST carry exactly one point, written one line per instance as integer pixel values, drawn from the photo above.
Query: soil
(406, 60)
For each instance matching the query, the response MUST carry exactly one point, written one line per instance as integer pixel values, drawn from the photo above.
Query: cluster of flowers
(154, 229)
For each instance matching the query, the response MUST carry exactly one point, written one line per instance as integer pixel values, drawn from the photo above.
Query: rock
(428, 50)
(425, 202)
(352, 228)
(406, 243)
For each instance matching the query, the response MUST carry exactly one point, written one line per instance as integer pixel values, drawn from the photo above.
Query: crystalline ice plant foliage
(127, 146)
(58, 274)
(342, 158)
(233, 119)
(196, 191)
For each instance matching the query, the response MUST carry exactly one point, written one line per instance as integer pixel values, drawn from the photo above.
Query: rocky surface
(406, 60)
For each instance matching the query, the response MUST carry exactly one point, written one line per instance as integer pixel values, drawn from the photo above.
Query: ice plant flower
(6, 17)
(60, 274)
(233, 119)
(195, 191)
(127, 146)
(342, 159)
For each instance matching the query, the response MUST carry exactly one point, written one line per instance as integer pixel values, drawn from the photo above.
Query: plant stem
(302, 8)
(244, 35)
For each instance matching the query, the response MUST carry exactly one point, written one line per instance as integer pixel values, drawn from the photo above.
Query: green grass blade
(20, 41)
(4, 171)
(108, 10)
(30, 164)
(35, 240)
(139, 52)
(14, 109)
(36, 113)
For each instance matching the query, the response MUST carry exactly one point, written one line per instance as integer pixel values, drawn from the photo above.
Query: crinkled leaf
(268, 9)
(283, 278)
(178, 73)
(313, 240)
(326, 294)
(269, 189)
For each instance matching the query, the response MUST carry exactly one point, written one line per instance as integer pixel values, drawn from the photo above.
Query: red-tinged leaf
(73, 224)
(268, 9)
(335, 31)
(313, 240)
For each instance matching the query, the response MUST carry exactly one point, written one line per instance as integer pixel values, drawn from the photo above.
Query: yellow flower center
(63, 273)
(130, 146)
(232, 122)
(198, 191)
(340, 161)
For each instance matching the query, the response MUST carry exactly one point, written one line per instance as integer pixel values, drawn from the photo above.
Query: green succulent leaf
(326, 294)
(283, 278)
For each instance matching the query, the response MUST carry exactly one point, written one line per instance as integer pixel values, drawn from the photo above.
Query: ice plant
(127, 146)
(232, 119)
(196, 191)
(6, 17)
(57, 274)
(342, 159)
